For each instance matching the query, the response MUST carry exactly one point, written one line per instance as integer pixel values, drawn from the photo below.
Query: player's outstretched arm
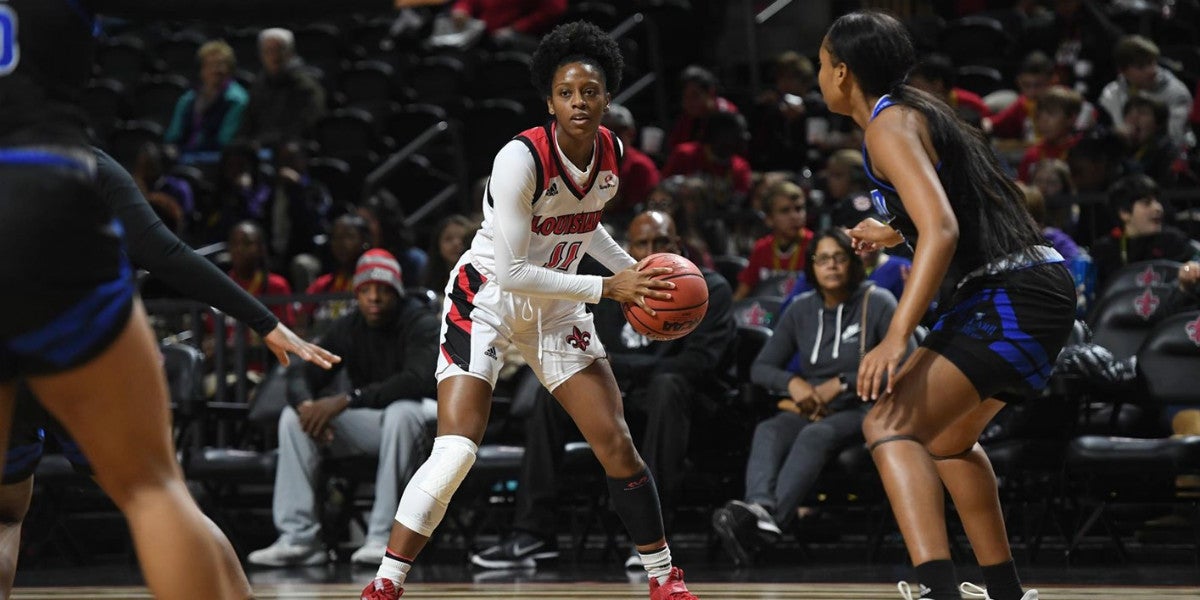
(153, 247)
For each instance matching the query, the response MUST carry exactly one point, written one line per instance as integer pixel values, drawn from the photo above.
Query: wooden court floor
(613, 591)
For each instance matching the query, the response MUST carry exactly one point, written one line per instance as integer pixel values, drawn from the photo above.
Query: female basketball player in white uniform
(517, 285)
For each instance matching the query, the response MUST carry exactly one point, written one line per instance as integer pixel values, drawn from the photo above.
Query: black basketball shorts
(1005, 331)
(66, 286)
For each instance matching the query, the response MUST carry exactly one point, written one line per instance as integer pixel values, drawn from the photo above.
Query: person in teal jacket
(207, 117)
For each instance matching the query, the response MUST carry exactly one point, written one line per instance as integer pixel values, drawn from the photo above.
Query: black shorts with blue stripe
(67, 284)
(1005, 331)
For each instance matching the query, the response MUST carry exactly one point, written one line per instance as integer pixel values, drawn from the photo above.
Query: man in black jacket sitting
(389, 349)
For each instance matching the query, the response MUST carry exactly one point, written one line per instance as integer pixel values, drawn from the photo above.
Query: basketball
(681, 314)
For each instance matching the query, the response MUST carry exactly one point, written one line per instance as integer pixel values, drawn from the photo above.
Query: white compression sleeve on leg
(427, 495)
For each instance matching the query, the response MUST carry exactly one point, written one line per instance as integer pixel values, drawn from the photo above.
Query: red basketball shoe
(385, 589)
(673, 589)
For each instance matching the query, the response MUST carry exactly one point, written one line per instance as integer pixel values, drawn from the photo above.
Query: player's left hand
(871, 235)
(282, 340)
(881, 361)
(637, 283)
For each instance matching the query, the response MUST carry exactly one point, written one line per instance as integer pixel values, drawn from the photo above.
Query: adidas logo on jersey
(490, 352)
(553, 191)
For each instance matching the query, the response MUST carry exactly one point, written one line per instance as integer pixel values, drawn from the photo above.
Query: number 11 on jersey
(9, 50)
(562, 256)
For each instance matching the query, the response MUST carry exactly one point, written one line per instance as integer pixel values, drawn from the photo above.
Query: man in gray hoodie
(1137, 70)
(829, 328)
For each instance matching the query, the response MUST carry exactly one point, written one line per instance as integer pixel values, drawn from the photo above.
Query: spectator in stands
(638, 173)
(207, 117)
(697, 221)
(1079, 39)
(299, 207)
(1136, 59)
(1186, 295)
(349, 238)
(666, 385)
(389, 230)
(284, 100)
(1052, 178)
(884, 270)
(779, 257)
(1054, 116)
(1036, 204)
(935, 74)
(1035, 76)
(747, 225)
(847, 189)
(241, 193)
(1141, 235)
(779, 123)
(831, 328)
(1095, 163)
(699, 102)
(388, 348)
(511, 23)
(248, 261)
(1148, 145)
(172, 198)
(719, 156)
(450, 239)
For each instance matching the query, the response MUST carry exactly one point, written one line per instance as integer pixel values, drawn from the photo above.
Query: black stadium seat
(1123, 319)
(106, 105)
(176, 53)
(154, 99)
(1141, 274)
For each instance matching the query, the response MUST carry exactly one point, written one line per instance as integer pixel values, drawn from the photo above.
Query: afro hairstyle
(578, 41)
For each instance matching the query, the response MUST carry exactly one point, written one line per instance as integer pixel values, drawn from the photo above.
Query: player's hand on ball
(635, 284)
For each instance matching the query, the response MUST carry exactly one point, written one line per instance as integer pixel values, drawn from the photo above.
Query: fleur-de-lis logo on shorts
(579, 339)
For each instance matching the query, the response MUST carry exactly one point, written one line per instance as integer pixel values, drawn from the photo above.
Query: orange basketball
(681, 314)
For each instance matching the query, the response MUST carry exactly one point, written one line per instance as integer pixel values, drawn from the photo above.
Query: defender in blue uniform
(1007, 303)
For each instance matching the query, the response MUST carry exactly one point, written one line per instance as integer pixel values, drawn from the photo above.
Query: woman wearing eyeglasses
(830, 327)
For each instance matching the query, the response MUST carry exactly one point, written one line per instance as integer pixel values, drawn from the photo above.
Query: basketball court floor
(609, 591)
(710, 580)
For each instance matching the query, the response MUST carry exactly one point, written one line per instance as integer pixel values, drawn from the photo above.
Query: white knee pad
(427, 495)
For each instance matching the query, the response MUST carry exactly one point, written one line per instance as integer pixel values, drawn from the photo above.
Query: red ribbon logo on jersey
(579, 339)
(1146, 304)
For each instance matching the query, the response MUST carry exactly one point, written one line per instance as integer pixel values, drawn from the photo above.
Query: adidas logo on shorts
(490, 352)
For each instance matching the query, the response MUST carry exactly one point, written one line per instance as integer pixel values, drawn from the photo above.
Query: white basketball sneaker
(906, 591)
(976, 592)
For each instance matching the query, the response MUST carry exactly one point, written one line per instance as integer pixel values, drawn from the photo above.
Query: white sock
(395, 568)
(657, 564)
